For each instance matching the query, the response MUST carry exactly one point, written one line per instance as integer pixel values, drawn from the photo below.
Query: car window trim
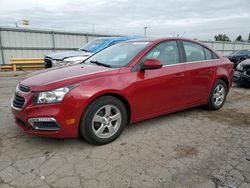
(205, 53)
(189, 62)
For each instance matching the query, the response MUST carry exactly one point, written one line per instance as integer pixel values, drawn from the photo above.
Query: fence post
(53, 41)
(223, 47)
(234, 47)
(1, 46)
(87, 38)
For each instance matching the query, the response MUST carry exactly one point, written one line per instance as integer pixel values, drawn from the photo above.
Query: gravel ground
(189, 149)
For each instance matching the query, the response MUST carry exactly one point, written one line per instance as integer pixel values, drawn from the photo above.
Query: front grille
(18, 101)
(47, 63)
(23, 88)
(48, 126)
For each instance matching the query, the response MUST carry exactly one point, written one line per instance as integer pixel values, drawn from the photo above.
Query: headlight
(239, 67)
(52, 96)
(73, 60)
(56, 62)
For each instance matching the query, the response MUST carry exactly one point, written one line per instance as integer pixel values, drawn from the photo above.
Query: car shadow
(162, 118)
(236, 85)
(80, 143)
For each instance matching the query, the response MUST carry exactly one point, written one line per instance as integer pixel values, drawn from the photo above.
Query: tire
(213, 102)
(103, 121)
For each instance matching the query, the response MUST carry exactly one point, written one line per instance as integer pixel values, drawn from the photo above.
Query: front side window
(166, 52)
(194, 52)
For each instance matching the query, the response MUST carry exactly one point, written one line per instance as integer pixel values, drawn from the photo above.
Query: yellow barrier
(6, 67)
(27, 63)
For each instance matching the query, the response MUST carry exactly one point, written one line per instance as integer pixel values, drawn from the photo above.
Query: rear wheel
(217, 96)
(104, 120)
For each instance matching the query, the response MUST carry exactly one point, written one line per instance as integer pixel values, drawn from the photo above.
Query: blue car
(92, 47)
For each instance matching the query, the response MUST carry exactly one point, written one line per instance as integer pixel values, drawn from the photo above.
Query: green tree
(239, 38)
(221, 37)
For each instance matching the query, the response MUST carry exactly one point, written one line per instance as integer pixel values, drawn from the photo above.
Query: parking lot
(193, 148)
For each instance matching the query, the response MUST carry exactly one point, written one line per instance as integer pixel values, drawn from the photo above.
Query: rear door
(200, 70)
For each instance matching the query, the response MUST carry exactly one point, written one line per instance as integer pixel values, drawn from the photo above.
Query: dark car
(242, 73)
(238, 56)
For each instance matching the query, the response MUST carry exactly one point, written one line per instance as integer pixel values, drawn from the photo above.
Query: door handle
(179, 75)
(210, 70)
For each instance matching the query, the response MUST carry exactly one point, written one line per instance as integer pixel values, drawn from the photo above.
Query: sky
(200, 19)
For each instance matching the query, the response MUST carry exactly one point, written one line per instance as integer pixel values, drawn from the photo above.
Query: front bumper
(47, 62)
(66, 116)
(241, 78)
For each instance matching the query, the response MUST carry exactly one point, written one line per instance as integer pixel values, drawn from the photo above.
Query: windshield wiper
(82, 49)
(99, 63)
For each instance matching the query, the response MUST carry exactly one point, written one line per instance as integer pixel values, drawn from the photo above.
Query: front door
(161, 90)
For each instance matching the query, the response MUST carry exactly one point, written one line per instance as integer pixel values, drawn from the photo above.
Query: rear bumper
(241, 78)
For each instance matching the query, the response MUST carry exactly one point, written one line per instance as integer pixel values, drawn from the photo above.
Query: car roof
(120, 38)
(162, 39)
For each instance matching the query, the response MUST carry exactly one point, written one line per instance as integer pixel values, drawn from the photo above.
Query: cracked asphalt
(194, 148)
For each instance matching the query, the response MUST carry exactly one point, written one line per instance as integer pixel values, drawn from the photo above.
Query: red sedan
(125, 83)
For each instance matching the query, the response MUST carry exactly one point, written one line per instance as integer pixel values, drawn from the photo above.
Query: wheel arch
(122, 99)
(115, 94)
(224, 79)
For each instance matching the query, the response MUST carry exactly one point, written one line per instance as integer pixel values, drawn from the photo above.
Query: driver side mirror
(150, 64)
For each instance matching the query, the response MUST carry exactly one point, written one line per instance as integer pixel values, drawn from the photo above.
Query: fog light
(44, 124)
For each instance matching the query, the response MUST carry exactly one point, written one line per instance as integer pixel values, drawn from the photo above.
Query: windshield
(118, 55)
(241, 52)
(93, 46)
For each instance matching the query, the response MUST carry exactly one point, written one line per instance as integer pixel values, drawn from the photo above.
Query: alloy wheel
(106, 121)
(219, 95)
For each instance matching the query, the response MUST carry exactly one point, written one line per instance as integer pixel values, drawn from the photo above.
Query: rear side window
(194, 52)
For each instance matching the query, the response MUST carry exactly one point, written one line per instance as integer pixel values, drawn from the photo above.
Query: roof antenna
(183, 34)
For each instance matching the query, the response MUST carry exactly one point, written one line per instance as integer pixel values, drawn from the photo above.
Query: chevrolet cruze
(122, 84)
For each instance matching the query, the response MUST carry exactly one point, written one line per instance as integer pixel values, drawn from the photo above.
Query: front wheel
(104, 120)
(217, 96)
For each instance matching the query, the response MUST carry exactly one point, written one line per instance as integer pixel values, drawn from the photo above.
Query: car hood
(245, 63)
(63, 76)
(62, 55)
